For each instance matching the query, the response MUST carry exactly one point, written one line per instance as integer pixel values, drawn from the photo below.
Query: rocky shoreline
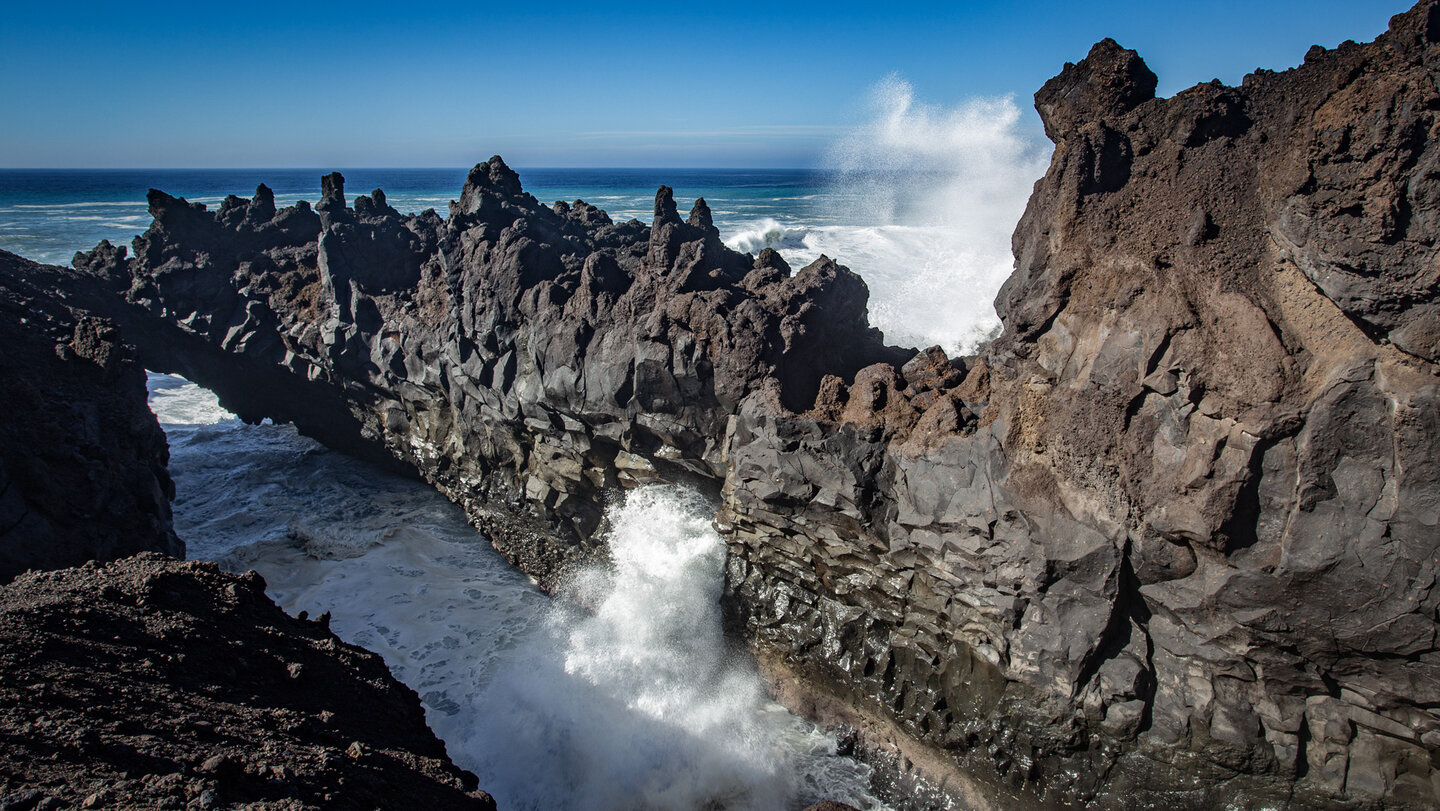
(1170, 540)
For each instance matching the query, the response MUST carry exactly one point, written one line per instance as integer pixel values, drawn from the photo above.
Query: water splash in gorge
(638, 702)
(657, 711)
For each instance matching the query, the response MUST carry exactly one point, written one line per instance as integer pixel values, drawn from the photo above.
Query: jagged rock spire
(1108, 83)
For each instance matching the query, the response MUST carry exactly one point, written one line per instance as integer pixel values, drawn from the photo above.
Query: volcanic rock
(1194, 530)
(82, 459)
(152, 683)
(520, 357)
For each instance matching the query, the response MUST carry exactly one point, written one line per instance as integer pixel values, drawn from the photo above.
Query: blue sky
(250, 84)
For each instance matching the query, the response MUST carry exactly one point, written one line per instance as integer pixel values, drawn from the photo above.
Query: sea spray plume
(941, 191)
(639, 704)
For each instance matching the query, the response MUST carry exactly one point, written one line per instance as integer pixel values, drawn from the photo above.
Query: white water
(638, 704)
(928, 199)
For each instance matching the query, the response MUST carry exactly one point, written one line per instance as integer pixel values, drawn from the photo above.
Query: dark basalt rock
(1170, 540)
(523, 358)
(82, 460)
(152, 683)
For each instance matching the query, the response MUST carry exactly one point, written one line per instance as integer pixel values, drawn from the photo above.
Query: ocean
(933, 245)
(553, 707)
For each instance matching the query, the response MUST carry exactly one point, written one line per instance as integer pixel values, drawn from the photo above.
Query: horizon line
(407, 168)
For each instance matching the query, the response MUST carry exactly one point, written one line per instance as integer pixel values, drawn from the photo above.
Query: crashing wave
(769, 233)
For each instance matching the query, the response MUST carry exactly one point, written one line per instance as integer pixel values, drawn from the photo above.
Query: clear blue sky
(262, 84)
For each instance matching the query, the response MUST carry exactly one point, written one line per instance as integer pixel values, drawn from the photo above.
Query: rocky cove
(1170, 539)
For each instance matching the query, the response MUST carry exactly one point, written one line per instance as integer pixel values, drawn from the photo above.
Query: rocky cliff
(82, 460)
(522, 358)
(1181, 518)
(150, 683)
(1171, 539)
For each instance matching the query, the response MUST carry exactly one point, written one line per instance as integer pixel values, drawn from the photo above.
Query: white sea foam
(657, 711)
(178, 402)
(770, 233)
(934, 195)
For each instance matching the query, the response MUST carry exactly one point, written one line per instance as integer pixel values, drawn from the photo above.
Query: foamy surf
(767, 232)
(176, 402)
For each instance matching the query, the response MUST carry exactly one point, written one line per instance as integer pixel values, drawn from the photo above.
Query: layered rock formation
(1182, 518)
(1170, 539)
(82, 459)
(151, 683)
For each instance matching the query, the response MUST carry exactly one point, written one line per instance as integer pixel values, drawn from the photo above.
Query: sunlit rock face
(1181, 516)
(523, 358)
(1177, 522)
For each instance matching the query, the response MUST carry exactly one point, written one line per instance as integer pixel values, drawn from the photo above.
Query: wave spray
(945, 188)
(921, 203)
(642, 704)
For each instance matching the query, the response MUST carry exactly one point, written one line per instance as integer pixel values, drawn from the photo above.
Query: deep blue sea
(49, 214)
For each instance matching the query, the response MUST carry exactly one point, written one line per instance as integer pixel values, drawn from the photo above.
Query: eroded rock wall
(1192, 529)
(82, 459)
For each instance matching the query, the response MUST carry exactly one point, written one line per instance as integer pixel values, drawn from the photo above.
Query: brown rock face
(1223, 328)
(1194, 527)
(151, 683)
